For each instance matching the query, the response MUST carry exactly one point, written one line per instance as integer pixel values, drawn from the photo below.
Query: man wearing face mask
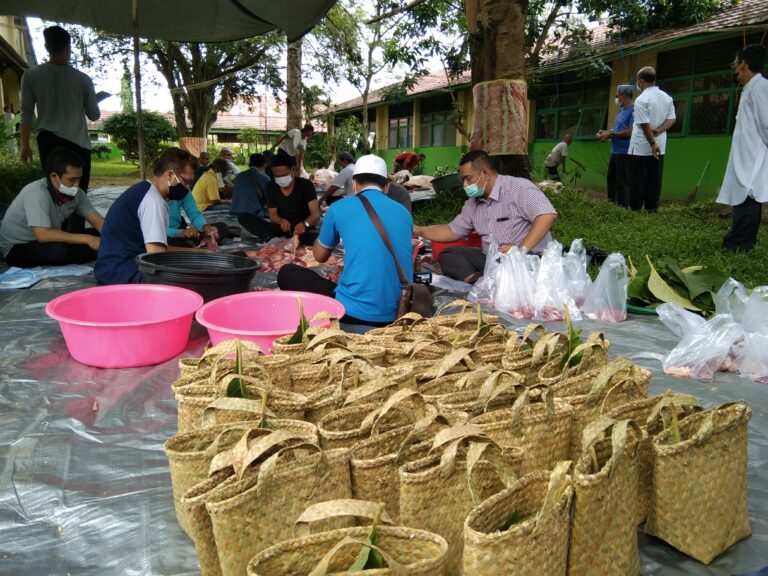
(505, 210)
(207, 190)
(31, 234)
(654, 115)
(138, 220)
(369, 287)
(745, 186)
(181, 197)
(291, 204)
(619, 135)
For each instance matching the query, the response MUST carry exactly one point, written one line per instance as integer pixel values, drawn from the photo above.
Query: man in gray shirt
(31, 234)
(63, 97)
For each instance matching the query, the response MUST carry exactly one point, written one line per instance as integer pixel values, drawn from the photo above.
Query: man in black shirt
(292, 205)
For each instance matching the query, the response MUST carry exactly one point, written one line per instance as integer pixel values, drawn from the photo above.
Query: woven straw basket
(537, 546)
(699, 501)
(604, 529)
(414, 552)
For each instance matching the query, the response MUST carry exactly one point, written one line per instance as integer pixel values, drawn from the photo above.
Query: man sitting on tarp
(138, 220)
(249, 197)
(31, 234)
(505, 210)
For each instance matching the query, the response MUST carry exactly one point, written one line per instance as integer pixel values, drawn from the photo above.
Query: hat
(371, 164)
(227, 150)
(346, 156)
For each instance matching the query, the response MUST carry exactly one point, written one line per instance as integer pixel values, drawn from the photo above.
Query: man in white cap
(369, 287)
(232, 170)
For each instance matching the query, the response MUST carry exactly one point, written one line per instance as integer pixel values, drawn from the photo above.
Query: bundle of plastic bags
(734, 340)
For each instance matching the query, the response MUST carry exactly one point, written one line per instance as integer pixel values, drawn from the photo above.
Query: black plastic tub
(210, 275)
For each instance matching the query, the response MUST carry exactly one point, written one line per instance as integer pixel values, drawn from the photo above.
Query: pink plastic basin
(125, 325)
(263, 316)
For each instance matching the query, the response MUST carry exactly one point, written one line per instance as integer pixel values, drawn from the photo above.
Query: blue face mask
(473, 190)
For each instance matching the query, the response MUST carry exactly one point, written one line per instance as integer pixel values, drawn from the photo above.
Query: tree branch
(391, 13)
(554, 13)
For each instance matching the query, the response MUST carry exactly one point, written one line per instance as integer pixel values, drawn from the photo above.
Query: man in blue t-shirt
(249, 197)
(618, 165)
(138, 220)
(369, 287)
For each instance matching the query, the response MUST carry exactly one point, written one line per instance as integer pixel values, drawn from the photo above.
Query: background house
(16, 55)
(692, 64)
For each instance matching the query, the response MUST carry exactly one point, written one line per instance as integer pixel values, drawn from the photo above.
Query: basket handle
(322, 567)
(374, 418)
(263, 386)
(492, 388)
(246, 452)
(408, 320)
(225, 403)
(325, 315)
(451, 360)
(493, 329)
(619, 434)
(559, 480)
(671, 400)
(327, 335)
(369, 388)
(522, 401)
(547, 346)
(338, 509)
(605, 376)
(462, 305)
(269, 466)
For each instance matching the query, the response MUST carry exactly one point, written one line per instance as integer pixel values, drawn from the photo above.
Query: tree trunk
(293, 85)
(201, 111)
(497, 52)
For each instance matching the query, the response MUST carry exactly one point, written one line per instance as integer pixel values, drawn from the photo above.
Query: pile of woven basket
(449, 445)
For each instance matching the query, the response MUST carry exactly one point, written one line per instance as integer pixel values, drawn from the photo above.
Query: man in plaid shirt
(503, 210)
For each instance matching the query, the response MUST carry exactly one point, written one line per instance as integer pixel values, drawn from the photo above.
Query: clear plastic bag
(516, 286)
(706, 350)
(756, 311)
(484, 289)
(680, 321)
(607, 298)
(575, 266)
(753, 358)
(552, 287)
(731, 299)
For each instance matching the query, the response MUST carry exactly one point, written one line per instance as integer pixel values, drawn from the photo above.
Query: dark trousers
(47, 141)
(645, 173)
(553, 173)
(265, 230)
(295, 277)
(461, 262)
(618, 179)
(50, 253)
(744, 225)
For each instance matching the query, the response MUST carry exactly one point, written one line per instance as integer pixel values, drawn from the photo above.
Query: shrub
(122, 127)
(14, 176)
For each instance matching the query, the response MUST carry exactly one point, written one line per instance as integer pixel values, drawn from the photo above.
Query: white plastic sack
(552, 287)
(575, 266)
(680, 321)
(731, 299)
(516, 286)
(607, 298)
(706, 350)
(753, 359)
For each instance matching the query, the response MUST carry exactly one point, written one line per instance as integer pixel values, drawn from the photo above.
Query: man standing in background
(294, 143)
(63, 97)
(559, 155)
(619, 135)
(745, 186)
(343, 180)
(654, 115)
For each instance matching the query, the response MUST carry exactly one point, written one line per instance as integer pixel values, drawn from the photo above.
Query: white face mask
(68, 190)
(220, 178)
(283, 181)
(617, 101)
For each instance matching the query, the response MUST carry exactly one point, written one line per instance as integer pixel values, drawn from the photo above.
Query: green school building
(692, 65)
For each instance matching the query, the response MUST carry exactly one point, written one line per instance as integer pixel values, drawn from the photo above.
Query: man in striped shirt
(503, 210)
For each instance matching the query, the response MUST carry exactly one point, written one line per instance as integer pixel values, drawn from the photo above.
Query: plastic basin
(471, 241)
(263, 316)
(417, 245)
(446, 183)
(125, 325)
(210, 275)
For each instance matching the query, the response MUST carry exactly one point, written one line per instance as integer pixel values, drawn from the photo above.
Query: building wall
(10, 86)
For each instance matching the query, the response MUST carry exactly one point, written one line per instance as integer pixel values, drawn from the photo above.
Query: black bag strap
(384, 236)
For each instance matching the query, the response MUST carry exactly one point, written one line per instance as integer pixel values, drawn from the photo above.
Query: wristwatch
(306, 224)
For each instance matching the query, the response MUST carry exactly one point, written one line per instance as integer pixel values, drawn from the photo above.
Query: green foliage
(122, 127)
(236, 387)
(249, 137)
(440, 210)
(301, 330)
(574, 341)
(370, 559)
(14, 175)
(113, 168)
(346, 138)
(101, 150)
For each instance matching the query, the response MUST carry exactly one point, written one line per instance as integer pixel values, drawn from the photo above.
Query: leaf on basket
(482, 326)
(298, 336)
(370, 559)
(574, 340)
(674, 429)
(236, 387)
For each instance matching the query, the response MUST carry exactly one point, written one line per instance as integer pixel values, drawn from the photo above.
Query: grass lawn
(688, 234)
(112, 172)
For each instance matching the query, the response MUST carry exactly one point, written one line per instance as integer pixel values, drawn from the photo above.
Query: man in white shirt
(63, 98)
(227, 155)
(654, 115)
(745, 186)
(343, 180)
(294, 143)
